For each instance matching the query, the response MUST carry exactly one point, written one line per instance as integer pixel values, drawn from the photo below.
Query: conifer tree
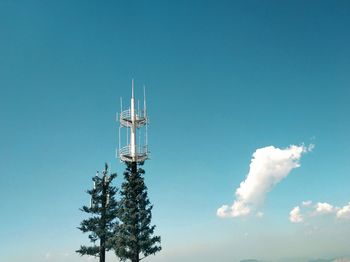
(103, 221)
(135, 234)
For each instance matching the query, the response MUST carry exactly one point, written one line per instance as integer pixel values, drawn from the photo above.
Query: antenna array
(133, 121)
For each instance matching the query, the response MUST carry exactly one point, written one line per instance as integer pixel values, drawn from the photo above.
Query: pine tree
(135, 233)
(103, 221)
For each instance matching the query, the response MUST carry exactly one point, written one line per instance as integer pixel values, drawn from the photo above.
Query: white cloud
(269, 165)
(307, 203)
(222, 211)
(318, 210)
(344, 212)
(295, 215)
(324, 208)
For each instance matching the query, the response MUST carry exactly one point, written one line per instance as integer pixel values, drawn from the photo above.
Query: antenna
(127, 136)
(121, 105)
(139, 147)
(119, 145)
(138, 107)
(134, 121)
(145, 116)
(132, 88)
(144, 102)
(146, 142)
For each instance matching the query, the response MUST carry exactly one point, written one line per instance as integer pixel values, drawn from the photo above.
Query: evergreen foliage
(103, 222)
(135, 233)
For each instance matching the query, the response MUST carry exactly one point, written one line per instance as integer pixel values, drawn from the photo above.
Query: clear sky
(223, 78)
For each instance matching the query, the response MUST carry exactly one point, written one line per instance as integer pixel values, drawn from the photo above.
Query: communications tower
(133, 129)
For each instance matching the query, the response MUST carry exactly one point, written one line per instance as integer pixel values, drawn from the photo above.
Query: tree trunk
(133, 167)
(102, 250)
(135, 233)
(103, 220)
(136, 257)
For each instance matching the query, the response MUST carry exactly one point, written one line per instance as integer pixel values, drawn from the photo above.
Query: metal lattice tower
(133, 123)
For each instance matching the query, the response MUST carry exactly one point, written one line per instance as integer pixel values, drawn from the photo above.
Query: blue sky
(223, 79)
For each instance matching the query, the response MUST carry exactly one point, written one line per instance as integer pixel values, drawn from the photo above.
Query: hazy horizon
(249, 124)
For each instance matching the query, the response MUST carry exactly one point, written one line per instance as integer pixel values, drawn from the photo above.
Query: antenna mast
(134, 121)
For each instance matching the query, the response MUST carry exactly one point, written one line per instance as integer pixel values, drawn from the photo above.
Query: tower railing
(126, 121)
(126, 114)
(141, 153)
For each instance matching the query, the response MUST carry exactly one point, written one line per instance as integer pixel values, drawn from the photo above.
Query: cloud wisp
(268, 166)
(318, 209)
(344, 212)
(295, 215)
(324, 208)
